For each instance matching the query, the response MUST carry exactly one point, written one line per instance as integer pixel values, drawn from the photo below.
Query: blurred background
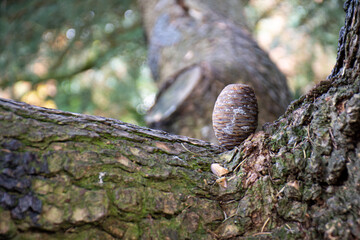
(90, 56)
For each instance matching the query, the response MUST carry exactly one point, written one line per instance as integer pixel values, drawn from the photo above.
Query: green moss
(292, 210)
(301, 154)
(234, 226)
(312, 192)
(55, 161)
(132, 232)
(7, 227)
(86, 233)
(289, 160)
(279, 168)
(278, 140)
(289, 231)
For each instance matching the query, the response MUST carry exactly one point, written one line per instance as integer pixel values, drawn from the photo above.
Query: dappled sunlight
(40, 95)
(91, 57)
(94, 52)
(40, 67)
(295, 38)
(21, 88)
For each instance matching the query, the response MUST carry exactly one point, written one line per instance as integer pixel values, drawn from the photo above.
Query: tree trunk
(196, 48)
(73, 176)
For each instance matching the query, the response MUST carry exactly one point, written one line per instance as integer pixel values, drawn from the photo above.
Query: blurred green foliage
(310, 34)
(90, 56)
(321, 19)
(95, 50)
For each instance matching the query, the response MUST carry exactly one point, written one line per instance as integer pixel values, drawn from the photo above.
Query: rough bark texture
(72, 176)
(196, 48)
(65, 173)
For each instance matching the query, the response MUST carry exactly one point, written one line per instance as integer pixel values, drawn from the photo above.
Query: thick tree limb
(196, 48)
(62, 173)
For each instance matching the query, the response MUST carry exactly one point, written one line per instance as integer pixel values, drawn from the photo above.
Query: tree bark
(196, 48)
(65, 172)
(74, 176)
